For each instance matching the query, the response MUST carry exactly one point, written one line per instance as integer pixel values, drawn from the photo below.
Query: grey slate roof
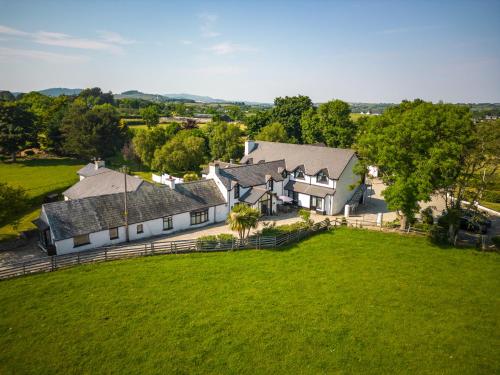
(301, 187)
(90, 170)
(252, 195)
(93, 214)
(222, 164)
(252, 174)
(110, 182)
(314, 158)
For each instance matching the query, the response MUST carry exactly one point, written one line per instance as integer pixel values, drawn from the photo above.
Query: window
(284, 174)
(236, 191)
(199, 217)
(299, 174)
(322, 178)
(140, 228)
(270, 184)
(167, 223)
(113, 233)
(81, 240)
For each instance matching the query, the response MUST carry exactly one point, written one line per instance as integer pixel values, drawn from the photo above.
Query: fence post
(78, 257)
(24, 268)
(152, 248)
(106, 255)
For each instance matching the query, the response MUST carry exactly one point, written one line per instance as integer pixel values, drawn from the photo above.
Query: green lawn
(39, 177)
(350, 301)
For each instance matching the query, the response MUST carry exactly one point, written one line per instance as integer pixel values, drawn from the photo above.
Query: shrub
(191, 176)
(438, 235)
(225, 237)
(496, 241)
(273, 230)
(426, 215)
(13, 200)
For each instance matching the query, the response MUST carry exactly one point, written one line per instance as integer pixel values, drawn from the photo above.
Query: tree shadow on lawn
(50, 162)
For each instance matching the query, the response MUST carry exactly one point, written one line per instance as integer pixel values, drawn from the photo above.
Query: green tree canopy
(274, 132)
(17, 128)
(257, 121)
(184, 152)
(13, 200)
(93, 132)
(419, 148)
(330, 124)
(150, 115)
(288, 111)
(147, 141)
(225, 141)
(7, 96)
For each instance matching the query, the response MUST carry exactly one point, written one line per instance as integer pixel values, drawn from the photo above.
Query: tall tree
(419, 148)
(257, 121)
(147, 141)
(274, 132)
(288, 111)
(150, 115)
(225, 141)
(94, 96)
(7, 96)
(330, 123)
(17, 128)
(184, 152)
(93, 132)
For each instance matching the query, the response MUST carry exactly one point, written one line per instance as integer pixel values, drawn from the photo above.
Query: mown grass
(350, 301)
(39, 177)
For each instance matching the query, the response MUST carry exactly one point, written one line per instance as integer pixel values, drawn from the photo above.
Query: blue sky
(365, 51)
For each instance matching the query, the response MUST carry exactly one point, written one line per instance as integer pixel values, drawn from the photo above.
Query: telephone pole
(126, 204)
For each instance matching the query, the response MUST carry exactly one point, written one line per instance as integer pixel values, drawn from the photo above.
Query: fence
(55, 262)
(361, 223)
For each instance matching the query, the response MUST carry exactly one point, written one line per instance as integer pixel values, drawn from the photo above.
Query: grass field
(350, 301)
(39, 177)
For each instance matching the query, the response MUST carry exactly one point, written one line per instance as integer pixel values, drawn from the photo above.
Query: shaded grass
(39, 177)
(351, 301)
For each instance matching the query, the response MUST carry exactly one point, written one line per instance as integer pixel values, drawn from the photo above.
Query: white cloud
(207, 23)
(9, 54)
(226, 48)
(115, 38)
(10, 31)
(109, 41)
(186, 42)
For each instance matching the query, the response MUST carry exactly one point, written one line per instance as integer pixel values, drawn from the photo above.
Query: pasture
(347, 301)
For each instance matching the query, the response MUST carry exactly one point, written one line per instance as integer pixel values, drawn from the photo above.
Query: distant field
(39, 177)
(356, 116)
(350, 301)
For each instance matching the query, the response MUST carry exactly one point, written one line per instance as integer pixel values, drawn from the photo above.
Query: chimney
(249, 146)
(213, 168)
(170, 182)
(98, 163)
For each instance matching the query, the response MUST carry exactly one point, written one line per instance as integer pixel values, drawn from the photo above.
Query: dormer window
(284, 174)
(299, 174)
(322, 178)
(236, 191)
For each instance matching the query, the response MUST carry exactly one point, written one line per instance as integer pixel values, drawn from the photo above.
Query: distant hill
(56, 91)
(196, 98)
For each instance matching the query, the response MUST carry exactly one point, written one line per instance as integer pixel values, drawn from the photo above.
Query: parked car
(478, 217)
(470, 225)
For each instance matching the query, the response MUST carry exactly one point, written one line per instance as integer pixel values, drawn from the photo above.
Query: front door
(264, 210)
(313, 203)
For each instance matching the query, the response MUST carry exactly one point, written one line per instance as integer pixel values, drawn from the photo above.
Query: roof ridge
(254, 164)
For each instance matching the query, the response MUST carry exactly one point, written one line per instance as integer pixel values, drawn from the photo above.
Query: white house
(93, 215)
(86, 223)
(316, 177)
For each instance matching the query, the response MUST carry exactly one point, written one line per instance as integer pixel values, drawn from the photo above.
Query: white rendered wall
(343, 191)
(150, 228)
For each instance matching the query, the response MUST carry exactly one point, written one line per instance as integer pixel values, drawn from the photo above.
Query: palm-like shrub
(242, 218)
